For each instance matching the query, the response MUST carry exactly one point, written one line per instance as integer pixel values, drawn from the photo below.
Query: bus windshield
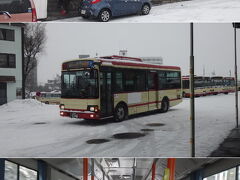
(80, 84)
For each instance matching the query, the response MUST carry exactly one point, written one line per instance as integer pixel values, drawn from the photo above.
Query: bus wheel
(164, 105)
(46, 102)
(120, 113)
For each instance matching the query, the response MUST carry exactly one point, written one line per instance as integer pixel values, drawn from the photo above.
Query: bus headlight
(61, 106)
(93, 108)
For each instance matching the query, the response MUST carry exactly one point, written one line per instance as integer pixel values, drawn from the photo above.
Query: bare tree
(34, 43)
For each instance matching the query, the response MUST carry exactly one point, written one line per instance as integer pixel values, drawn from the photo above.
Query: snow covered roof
(126, 61)
(131, 62)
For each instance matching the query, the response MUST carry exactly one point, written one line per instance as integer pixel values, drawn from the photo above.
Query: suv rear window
(15, 6)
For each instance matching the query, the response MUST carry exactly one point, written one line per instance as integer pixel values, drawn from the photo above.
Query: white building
(11, 59)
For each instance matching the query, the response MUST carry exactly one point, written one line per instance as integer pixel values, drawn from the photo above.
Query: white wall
(13, 47)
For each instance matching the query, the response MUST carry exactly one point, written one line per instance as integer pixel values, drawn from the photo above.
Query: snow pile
(28, 110)
(19, 104)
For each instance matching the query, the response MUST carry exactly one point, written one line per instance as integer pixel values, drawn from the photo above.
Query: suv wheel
(145, 9)
(104, 15)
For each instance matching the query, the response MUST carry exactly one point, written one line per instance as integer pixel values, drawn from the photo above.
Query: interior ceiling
(127, 168)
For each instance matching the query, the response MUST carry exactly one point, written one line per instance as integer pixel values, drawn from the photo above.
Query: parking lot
(29, 128)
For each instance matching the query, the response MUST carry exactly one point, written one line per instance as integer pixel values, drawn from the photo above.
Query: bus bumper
(80, 114)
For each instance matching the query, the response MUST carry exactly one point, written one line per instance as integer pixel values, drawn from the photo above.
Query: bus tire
(46, 102)
(120, 113)
(164, 105)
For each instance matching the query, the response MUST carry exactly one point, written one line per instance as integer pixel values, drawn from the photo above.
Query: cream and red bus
(116, 87)
(208, 85)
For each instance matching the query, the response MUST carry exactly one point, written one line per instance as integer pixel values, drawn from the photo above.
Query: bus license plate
(74, 115)
(83, 11)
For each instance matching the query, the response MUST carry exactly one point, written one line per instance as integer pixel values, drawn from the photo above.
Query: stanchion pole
(85, 168)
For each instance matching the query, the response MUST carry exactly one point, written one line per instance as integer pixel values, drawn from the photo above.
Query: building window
(7, 34)
(14, 171)
(19, 93)
(7, 60)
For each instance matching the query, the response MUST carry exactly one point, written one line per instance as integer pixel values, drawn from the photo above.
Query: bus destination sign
(78, 65)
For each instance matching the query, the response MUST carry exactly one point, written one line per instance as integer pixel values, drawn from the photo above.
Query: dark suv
(105, 9)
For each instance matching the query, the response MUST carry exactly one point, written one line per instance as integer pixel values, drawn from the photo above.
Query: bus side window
(129, 81)
(118, 82)
(162, 81)
(169, 80)
(140, 80)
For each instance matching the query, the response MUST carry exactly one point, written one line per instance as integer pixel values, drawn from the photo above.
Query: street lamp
(192, 95)
(236, 26)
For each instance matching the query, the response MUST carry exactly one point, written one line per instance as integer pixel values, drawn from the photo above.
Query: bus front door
(106, 97)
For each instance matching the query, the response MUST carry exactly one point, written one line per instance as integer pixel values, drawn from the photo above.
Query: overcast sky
(213, 44)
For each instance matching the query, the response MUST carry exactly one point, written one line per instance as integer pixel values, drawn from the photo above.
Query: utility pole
(192, 95)
(235, 26)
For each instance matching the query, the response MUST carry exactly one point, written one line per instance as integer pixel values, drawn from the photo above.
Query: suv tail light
(95, 1)
(34, 15)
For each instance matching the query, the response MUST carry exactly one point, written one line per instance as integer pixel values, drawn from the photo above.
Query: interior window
(27, 174)
(11, 171)
(225, 175)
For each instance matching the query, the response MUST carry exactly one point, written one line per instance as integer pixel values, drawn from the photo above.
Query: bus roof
(126, 61)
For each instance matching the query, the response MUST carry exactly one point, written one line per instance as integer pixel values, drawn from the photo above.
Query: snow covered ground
(186, 11)
(31, 129)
